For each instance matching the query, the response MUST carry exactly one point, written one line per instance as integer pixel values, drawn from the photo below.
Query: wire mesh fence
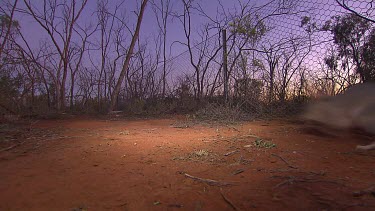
(280, 50)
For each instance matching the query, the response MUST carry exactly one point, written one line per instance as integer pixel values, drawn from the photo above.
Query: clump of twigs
(200, 155)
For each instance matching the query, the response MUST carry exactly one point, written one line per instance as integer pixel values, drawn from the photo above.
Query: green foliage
(248, 88)
(5, 20)
(263, 144)
(9, 86)
(251, 28)
(184, 90)
(160, 107)
(354, 38)
(9, 89)
(368, 53)
(137, 106)
(305, 20)
(331, 61)
(4, 24)
(258, 63)
(349, 31)
(309, 26)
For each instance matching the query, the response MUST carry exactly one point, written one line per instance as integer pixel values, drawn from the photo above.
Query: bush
(221, 113)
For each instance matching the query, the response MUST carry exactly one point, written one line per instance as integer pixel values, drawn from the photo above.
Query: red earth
(174, 164)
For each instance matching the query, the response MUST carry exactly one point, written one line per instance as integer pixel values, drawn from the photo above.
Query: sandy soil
(172, 164)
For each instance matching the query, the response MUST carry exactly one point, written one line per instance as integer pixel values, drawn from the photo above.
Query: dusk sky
(282, 26)
(149, 26)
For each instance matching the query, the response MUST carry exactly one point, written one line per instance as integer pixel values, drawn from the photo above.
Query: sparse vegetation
(200, 153)
(260, 143)
(221, 114)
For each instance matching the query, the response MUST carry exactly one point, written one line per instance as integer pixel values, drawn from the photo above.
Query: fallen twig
(244, 161)
(368, 191)
(359, 153)
(228, 201)
(238, 171)
(292, 179)
(288, 181)
(208, 181)
(11, 147)
(234, 128)
(286, 162)
(115, 112)
(251, 135)
(230, 153)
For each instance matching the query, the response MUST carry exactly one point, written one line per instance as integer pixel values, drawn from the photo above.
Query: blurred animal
(355, 108)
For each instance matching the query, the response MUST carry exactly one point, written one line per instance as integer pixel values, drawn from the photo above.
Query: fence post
(225, 66)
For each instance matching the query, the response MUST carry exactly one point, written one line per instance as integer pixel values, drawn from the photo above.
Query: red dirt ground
(172, 164)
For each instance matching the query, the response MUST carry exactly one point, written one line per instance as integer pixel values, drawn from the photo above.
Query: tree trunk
(125, 67)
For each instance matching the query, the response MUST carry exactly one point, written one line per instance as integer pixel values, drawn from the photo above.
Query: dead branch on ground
(292, 179)
(231, 153)
(11, 147)
(228, 201)
(208, 181)
(368, 191)
(286, 162)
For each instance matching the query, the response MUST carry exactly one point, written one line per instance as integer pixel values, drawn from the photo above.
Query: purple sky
(149, 26)
(282, 26)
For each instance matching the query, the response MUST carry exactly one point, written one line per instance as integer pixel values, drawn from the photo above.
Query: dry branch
(228, 201)
(11, 147)
(286, 162)
(368, 191)
(208, 181)
(230, 153)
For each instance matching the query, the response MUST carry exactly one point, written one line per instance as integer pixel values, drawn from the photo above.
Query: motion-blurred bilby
(353, 108)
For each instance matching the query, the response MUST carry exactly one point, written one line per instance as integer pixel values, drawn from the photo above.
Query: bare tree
(163, 12)
(249, 27)
(291, 61)
(111, 26)
(77, 54)
(59, 20)
(125, 66)
(203, 54)
(272, 57)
